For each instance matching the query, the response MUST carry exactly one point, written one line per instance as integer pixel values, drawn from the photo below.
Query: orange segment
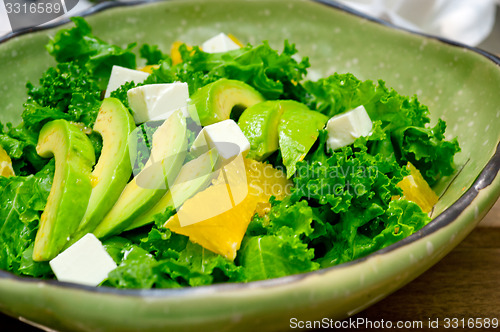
(149, 69)
(264, 179)
(175, 54)
(217, 218)
(417, 190)
(223, 233)
(6, 169)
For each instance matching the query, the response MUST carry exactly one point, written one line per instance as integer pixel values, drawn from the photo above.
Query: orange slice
(175, 54)
(218, 217)
(417, 190)
(223, 233)
(149, 69)
(6, 169)
(264, 179)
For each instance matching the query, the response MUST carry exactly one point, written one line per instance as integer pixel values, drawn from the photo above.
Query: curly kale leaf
(153, 55)
(79, 45)
(22, 200)
(66, 91)
(341, 208)
(273, 74)
(162, 259)
(338, 93)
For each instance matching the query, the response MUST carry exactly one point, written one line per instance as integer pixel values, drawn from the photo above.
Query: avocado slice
(260, 123)
(298, 130)
(150, 185)
(113, 170)
(71, 187)
(194, 177)
(215, 101)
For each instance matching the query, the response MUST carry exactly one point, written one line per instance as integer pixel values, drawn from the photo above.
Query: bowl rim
(485, 178)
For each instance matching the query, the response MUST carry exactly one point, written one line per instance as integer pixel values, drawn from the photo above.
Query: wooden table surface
(465, 284)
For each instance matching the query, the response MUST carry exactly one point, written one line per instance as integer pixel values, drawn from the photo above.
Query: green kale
(341, 209)
(197, 266)
(20, 145)
(427, 150)
(164, 74)
(276, 244)
(396, 111)
(22, 200)
(153, 55)
(136, 270)
(274, 256)
(97, 143)
(349, 178)
(338, 93)
(79, 45)
(162, 259)
(358, 188)
(143, 141)
(404, 133)
(406, 123)
(273, 74)
(121, 93)
(66, 91)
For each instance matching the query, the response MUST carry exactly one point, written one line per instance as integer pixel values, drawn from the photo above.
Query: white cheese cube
(157, 101)
(343, 129)
(219, 43)
(86, 262)
(122, 75)
(226, 136)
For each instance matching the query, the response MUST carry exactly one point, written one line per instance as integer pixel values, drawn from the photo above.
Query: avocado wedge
(260, 123)
(150, 185)
(298, 130)
(71, 187)
(194, 177)
(113, 170)
(215, 101)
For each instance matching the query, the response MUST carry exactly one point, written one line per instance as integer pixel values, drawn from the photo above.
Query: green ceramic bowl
(458, 84)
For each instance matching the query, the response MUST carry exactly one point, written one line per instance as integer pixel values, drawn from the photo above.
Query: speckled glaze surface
(458, 84)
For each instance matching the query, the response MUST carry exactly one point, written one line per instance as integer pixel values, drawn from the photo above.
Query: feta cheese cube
(343, 129)
(226, 136)
(86, 262)
(122, 75)
(157, 101)
(219, 43)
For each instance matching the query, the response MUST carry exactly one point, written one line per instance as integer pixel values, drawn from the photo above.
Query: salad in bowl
(217, 163)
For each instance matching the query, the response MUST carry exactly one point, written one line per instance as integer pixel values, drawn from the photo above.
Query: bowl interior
(456, 83)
